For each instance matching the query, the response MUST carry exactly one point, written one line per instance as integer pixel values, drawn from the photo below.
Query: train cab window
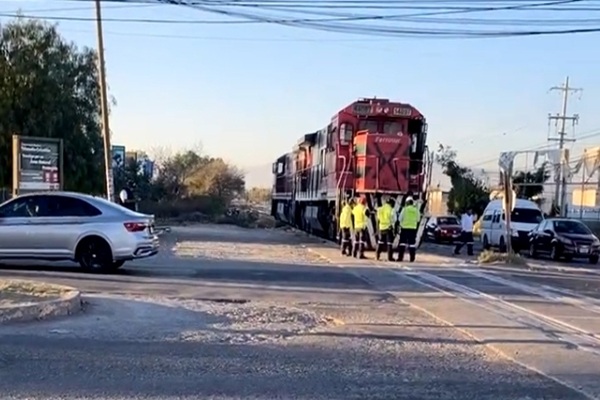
(368, 125)
(346, 133)
(279, 168)
(392, 128)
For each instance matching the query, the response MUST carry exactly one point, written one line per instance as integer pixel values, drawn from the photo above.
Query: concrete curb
(69, 303)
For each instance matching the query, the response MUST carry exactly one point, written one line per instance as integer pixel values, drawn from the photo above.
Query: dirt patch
(16, 292)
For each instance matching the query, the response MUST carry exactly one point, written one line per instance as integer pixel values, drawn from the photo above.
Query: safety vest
(360, 216)
(410, 218)
(384, 216)
(346, 217)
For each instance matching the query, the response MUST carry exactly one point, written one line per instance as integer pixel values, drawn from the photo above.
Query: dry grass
(490, 257)
(15, 291)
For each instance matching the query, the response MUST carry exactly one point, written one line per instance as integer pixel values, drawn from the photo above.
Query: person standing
(359, 212)
(346, 228)
(409, 223)
(466, 235)
(385, 226)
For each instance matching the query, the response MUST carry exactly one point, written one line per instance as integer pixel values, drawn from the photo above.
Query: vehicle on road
(98, 234)
(564, 238)
(525, 216)
(443, 229)
(371, 147)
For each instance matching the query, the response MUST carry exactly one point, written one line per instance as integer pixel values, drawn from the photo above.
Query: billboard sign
(118, 156)
(37, 164)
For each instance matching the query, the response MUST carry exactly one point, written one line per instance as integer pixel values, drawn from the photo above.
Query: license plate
(584, 249)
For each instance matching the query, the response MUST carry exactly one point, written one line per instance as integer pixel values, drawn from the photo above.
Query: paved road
(227, 313)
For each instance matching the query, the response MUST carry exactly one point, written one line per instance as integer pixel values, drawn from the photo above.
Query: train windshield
(392, 127)
(377, 126)
(368, 125)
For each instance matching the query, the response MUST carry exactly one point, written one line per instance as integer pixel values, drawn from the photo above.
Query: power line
(342, 24)
(588, 135)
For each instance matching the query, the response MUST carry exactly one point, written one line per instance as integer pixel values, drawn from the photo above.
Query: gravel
(162, 349)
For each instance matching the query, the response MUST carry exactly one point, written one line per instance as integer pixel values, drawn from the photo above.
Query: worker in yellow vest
(385, 222)
(346, 228)
(359, 213)
(409, 222)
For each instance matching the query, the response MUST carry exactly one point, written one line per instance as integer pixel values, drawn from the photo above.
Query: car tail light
(134, 226)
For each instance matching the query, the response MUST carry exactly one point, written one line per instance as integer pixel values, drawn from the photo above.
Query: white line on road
(581, 302)
(573, 294)
(569, 334)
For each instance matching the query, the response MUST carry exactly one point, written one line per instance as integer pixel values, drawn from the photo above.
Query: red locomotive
(371, 147)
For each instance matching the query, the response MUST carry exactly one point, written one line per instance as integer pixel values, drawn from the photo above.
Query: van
(523, 219)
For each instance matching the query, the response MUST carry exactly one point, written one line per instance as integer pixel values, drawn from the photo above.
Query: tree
(175, 171)
(258, 195)
(467, 191)
(129, 175)
(215, 177)
(49, 88)
(530, 184)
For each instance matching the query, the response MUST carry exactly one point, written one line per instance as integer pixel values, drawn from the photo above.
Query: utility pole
(561, 120)
(104, 105)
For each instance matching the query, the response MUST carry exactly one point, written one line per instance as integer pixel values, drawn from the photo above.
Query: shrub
(489, 257)
(196, 208)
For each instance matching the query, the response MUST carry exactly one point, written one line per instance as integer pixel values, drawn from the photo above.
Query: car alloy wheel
(95, 255)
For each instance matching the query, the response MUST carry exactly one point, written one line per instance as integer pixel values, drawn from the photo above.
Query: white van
(525, 216)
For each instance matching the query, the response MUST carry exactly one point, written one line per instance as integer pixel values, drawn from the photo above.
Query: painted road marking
(577, 337)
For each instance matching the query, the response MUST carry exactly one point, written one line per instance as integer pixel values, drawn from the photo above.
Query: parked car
(443, 229)
(564, 238)
(98, 234)
(525, 216)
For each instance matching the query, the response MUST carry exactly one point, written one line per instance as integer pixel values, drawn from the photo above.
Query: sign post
(509, 196)
(37, 164)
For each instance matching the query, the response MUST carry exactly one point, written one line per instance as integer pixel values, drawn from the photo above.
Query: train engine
(370, 148)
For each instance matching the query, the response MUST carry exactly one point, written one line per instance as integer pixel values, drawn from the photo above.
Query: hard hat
(409, 200)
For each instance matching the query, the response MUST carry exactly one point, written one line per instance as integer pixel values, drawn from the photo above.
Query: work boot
(470, 249)
(413, 253)
(401, 251)
(378, 252)
(361, 251)
(390, 256)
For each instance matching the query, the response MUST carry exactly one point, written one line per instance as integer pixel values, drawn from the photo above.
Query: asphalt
(227, 313)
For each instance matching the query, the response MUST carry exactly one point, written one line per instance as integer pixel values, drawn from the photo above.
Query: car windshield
(447, 221)
(526, 215)
(574, 227)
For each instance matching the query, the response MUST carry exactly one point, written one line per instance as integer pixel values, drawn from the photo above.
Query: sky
(248, 92)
